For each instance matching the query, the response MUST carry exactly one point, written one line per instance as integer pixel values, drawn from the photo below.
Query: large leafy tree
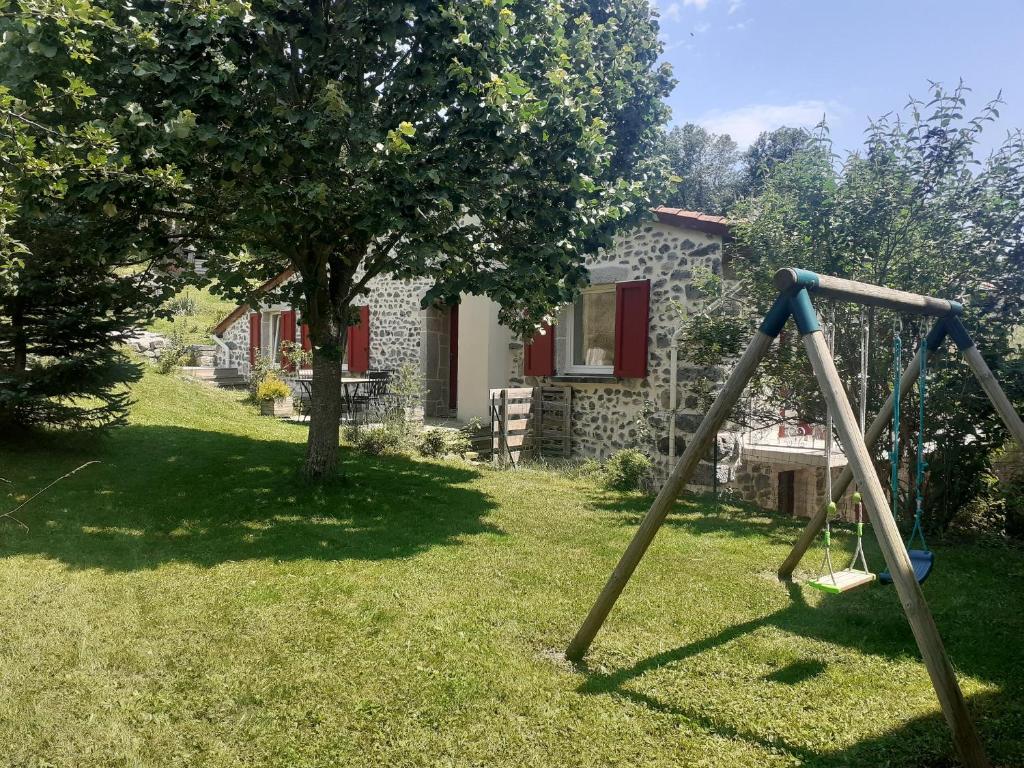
(486, 145)
(81, 185)
(770, 149)
(916, 210)
(708, 166)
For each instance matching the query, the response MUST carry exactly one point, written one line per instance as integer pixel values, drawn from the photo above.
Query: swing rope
(856, 573)
(830, 508)
(922, 559)
(858, 505)
(894, 449)
(922, 465)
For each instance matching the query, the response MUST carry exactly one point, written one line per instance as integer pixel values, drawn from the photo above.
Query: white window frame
(270, 328)
(570, 331)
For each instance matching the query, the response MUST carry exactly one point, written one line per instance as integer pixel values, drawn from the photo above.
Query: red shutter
(539, 355)
(359, 343)
(304, 334)
(632, 308)
(254, 336)
(287, 334)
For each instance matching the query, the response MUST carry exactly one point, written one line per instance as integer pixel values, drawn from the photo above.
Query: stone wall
(398, 329)
(757, 482)
(605, 415)
(236, 339)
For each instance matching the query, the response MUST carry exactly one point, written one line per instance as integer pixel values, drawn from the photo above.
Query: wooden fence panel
(534, 422)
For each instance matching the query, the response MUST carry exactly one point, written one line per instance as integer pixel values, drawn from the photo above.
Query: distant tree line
(714, 173)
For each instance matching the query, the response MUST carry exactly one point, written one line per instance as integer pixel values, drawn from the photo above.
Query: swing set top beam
(864, 293)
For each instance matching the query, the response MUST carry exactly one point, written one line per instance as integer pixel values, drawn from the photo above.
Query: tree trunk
(325, 411)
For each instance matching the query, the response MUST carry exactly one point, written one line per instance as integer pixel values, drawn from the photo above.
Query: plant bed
(281, 408)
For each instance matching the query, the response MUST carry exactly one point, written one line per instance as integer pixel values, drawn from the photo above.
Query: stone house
(612, 347)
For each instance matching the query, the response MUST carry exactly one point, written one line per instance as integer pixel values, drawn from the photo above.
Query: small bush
(1013, 501)
(262, 367)
(272, 388)
(378, 441)
(174, 355)
(183, 306)
(443, 442)
(627, 470)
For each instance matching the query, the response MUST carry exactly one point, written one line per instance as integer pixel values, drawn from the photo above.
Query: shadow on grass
(869, 622)
(705, 515)
(169, 494)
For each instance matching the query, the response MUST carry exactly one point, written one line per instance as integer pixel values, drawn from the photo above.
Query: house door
(453, 357)
(787, 492)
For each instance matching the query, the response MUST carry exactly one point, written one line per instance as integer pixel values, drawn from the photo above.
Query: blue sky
(750, 65)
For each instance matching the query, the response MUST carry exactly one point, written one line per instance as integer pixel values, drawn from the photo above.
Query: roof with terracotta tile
(702, 222)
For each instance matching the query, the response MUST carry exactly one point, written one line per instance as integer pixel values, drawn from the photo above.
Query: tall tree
(916, 210)
(81, 180)
(487, 145)
(708, 165)
(769, 150)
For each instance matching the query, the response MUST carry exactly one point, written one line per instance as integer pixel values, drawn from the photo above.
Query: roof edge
(702, 222)
(241, 309)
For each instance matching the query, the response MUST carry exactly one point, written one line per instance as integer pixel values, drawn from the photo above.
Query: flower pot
(280, 408)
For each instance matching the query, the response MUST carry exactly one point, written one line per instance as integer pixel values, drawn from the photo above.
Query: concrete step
(208, 373)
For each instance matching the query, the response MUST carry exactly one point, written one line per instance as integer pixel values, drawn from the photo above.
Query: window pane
(594, 329)
(278, 335)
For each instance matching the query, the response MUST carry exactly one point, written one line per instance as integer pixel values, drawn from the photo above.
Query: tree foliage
(488, 146)
(916, 210)
(714, 173)
(708, 166)
(82, 181)
(769, 150)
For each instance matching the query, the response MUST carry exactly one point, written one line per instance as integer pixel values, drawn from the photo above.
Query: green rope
(922, 465)
(894, 451)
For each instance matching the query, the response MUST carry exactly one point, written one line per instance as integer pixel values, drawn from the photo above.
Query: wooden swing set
(796, 287)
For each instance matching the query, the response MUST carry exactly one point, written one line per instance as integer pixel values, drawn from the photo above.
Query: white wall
(483, 356)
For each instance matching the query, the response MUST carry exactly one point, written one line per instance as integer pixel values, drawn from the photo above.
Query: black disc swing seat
(922, 560)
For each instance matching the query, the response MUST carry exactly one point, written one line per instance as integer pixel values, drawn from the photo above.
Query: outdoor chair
(373, 394)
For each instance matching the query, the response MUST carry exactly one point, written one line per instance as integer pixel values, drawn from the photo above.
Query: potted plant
(275, 396)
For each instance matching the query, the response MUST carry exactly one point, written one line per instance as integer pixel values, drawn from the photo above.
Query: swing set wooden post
(796, 287)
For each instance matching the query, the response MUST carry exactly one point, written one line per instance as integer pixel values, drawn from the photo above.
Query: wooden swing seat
(844, 581)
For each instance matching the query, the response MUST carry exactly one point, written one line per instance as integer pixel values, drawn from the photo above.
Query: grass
(194, 328)
(189, 603)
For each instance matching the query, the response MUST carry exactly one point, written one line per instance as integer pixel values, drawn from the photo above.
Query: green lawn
(187, 602)
(195, 328)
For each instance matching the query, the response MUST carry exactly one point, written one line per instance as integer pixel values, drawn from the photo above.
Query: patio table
(350, 386)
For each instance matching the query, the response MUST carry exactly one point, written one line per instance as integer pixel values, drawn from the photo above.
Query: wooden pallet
(531, 421)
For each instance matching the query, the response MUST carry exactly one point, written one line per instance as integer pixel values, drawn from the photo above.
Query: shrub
(443, 442)
(262, 367)
(299, 357)
(1013, 501)
(378, 441)
(174, 355)
(408, 388)
(627, 470)
(183, 306)
(272, 388)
